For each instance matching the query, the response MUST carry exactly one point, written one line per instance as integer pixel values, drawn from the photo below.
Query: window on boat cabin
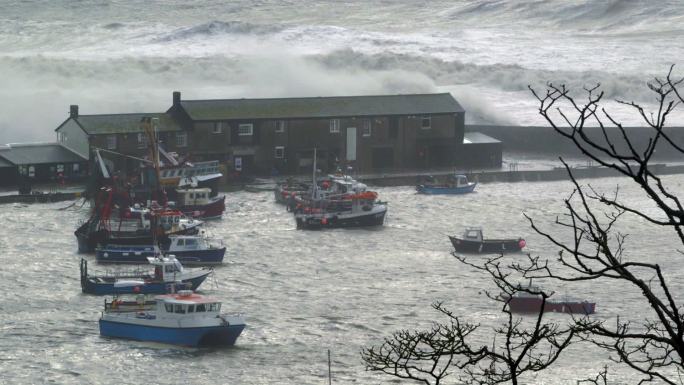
(473, 234)
(280, 126)
(142, 140)
(191, 308)
(180, 309)
(246, 129)
(366, 127)
(200, 308)
(169, 307)
(111, 142)
(334, 126)
(180, 242)
(426, 122)
(181, 139)
(168, 269)
(214, 306)
(191, 242)
(279, 152)
(218, 128)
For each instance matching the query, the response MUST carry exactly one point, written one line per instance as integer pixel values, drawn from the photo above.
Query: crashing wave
(215, 28)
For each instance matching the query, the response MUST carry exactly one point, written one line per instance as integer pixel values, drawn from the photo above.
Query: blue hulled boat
(188, 249)
(458, 184)
(185, 318)
(168, 276)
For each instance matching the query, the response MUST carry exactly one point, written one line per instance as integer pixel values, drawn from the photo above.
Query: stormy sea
(116, 56)
(306, 293)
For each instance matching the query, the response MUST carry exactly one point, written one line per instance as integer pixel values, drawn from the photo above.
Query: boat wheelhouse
(188, 249)
(168, 276)
(184, 318)
(199, 203)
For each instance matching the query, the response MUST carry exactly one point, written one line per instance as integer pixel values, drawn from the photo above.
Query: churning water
(112, 56)
(301, 292)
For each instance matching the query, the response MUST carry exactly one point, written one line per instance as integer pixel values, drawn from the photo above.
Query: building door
(351, 143)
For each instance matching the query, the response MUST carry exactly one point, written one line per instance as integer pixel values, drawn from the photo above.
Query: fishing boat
(184, 318)
(134, 226)
(529, 302)
(473, 242)
(188, 249)
(198, 203)
(457, 184)
(286, 191)
(358, 210)
(169, 275)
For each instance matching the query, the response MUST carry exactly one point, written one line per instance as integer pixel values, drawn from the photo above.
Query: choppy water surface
(301, 292)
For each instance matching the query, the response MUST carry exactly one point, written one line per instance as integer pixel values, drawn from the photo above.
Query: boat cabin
(188, 243)
(166, 269)
(186, 303)
(194, 196)
(473, 234)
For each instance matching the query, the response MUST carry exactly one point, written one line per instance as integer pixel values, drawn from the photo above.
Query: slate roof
(123, 123)
(38, 153)
(478, 137)
(321, 107)
(4, 163)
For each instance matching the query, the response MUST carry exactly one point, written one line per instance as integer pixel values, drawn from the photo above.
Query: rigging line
(124, 155)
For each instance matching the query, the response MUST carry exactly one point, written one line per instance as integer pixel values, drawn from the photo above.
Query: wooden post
(329, 372)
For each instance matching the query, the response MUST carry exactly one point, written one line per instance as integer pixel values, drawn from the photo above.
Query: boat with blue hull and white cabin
(184, 318)
(457, 184)
(188, 249)
(168, 276)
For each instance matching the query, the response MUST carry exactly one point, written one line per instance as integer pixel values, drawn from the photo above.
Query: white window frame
(334, 126)
(280, 126)
(218, 128)
(280, 149)
(142, 140)
(366, 128)
(181, 139)
(248, 127)
(422, 122)
(111, 142)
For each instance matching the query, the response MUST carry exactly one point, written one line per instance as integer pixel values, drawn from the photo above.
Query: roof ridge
(320, 97)
(124, 113)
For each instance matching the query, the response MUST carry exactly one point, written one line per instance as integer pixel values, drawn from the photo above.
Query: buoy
(521, 243)
(324, 221)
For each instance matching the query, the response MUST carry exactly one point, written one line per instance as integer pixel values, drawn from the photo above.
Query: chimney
(73, 111)
(176, 98)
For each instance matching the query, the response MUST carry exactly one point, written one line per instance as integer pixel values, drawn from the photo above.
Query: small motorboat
(457, 184)
(188, 249)
(184, 318)
(528, 302)
(473, 242)
(198, 203)
(356, 210)
(168, 276)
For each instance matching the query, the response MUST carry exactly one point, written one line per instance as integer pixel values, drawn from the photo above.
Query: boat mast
(314, 186)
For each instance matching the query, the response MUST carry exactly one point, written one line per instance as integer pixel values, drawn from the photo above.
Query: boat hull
(315, 222)
(487, 246)
(139, 255)
(88, 240)
(443, 190)
(105, 286)
(223, 335)
(533, 305)
(212, 210)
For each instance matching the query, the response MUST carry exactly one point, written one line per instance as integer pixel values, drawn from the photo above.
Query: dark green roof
(3, 162)
(123, 123)
(38, 153)
(321, 107)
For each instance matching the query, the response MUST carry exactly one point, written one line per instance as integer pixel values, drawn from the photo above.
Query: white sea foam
(124, 56)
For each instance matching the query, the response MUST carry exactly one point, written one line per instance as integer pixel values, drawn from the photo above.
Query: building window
(280, 126)
(366, 127)
(111, 142)
(218, 128)
(426, 122)
(61, 137)
(246, 129)
(334, 126)
(181, 139)
(142, 140)
(279, 152)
